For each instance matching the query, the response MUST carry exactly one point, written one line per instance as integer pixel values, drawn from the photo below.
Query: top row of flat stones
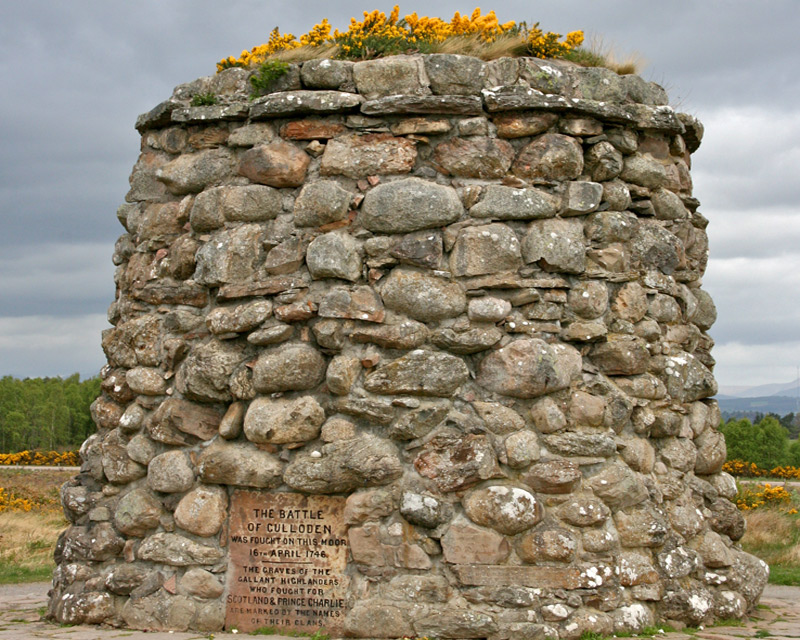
(430, 84)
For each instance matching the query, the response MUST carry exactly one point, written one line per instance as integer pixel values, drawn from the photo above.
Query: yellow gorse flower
(379, 34)
(41, 458)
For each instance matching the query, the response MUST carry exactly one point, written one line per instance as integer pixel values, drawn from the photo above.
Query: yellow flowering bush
(9, 502)
(380, 35)
(41, 459)
(259, 54)
(741, 468)
(547, 45)
(760, 495)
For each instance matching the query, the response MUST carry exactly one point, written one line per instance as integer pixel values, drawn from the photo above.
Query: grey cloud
(70, 279)
(32, 346)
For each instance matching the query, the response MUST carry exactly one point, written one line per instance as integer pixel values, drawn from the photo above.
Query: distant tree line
(766, 442)
(51, 414)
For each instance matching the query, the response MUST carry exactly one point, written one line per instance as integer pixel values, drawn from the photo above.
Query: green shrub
(266, 76)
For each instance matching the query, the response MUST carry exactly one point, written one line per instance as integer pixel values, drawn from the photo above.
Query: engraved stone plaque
(288, 553)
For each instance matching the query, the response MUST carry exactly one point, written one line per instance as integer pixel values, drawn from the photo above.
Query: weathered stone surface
(229, 256)
(89, 607)
(239, 464)
(539, 577)
(251, 135)
(529, 368)
(407, 205)
(485, 249)
(548, 416)
(422, 297)
(423, 510)
(553, 476)
(210, 113)
(418, 422)
(159, 611)
(391, 76)
(176, 420)
(506, 203)
(321, 202)
(550, 157)
(641, 527)
(294, 367)
(202, 511)
(341, 374)
(326, 74)
(488, 309)
(509, 510)
(277, 164)
(408, 334)
(421, 249)
(584, 512)
(621, 355)
(630, 302)
(522, 448)
(201, 584)
(644, 170)
(556, 245)
(358, 156)
(194, 172)
(422, 373)
(170, 472)
(251, 203)
(711, 452)
(692, 607)
(312, 129)
(345, 465)
(499, 419)
(638, 454)
(368, 505)
(177, 551)
(474, 157)
(687, 379)
(137, 512)
(520, 125)
(603, 162)
(547, 545)
(368, 615)
(581, 444)
(454, 623)
(97, 543)
(283, 420)
(395, 104)
(334, 255)
(455, 462)
(656, 248)
(289, 103)
(467, 544)
(588, 299)
(582, 198)
(358, 303)
(618, 486)
(117, 465)
(238, 318)
(286, 257)
(455, 75)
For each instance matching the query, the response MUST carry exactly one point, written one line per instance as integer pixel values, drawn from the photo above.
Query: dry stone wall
(456, 304)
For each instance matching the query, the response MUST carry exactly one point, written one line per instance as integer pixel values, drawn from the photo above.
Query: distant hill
(748, 407)
(789, 389)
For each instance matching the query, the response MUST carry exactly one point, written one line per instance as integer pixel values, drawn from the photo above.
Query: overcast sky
(75, 74)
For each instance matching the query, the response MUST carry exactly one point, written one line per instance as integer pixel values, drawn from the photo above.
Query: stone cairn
(457, 304)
